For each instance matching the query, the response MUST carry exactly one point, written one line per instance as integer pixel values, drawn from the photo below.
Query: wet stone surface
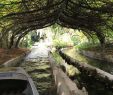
(40, 71)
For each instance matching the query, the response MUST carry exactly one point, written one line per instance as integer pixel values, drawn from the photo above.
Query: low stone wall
(105, 78)
(97, 55)
(64, 85)
(14, 61)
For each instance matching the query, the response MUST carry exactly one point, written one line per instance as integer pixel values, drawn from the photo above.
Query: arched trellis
(27, 15)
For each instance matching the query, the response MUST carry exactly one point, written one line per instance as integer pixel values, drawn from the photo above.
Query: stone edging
(105, 78)
(64, 85)
(14, 61)
(97, 55)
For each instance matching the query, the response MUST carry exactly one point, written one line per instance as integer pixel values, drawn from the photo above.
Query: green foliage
(94, 16)
(78, 37)
(61, 37)
(86, 46)
(27, 42)
(59, 43)
(9, 6)
(57, 57)
(57, 30)
(75, 40)
(71, 70)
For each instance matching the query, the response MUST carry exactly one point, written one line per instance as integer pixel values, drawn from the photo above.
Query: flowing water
(108, 67)
(93, 87)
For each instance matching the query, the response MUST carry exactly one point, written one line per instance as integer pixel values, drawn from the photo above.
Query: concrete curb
(64, 85)
(98, 55)
(15, 61)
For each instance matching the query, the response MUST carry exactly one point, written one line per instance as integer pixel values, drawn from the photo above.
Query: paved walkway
(37, 66)
(38, 51)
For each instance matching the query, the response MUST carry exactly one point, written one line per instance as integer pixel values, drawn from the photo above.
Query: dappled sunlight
(46, 26)
(59, 84)
(73, 53)
(106, 66)
(39, 50)
(36, 64)
(66, 38)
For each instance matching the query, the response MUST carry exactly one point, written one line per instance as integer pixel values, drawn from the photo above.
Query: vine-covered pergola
(19, 17)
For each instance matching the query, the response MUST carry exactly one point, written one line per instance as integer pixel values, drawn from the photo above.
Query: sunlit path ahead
(38, 50)
(37, 66)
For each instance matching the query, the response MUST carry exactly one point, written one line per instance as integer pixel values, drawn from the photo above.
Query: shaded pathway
(38, 67)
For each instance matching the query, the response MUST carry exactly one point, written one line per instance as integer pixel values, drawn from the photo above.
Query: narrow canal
(103, 65)
(93, 87)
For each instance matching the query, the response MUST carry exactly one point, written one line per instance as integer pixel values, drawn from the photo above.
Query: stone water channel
(36, 64)
(93, 87)
(103, 65)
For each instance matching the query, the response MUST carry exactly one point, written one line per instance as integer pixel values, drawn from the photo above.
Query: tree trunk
(11, 41)
(17, 42)
(101, 38)
(19, 38)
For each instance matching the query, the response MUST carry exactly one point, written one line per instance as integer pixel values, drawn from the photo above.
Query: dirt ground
(7, 54)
